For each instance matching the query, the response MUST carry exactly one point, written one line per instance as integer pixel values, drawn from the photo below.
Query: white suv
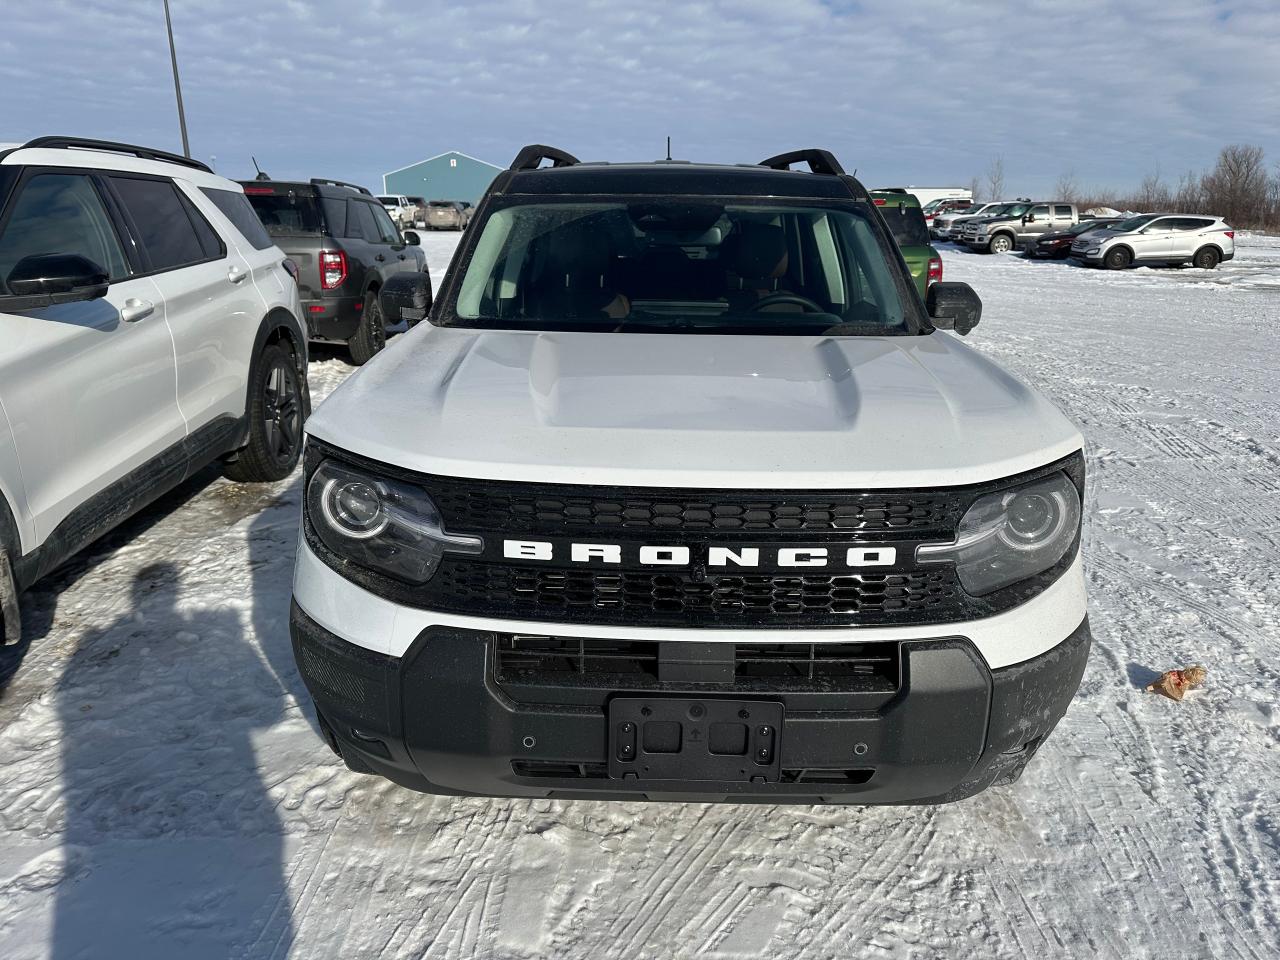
(1202, 241)
(149, 326)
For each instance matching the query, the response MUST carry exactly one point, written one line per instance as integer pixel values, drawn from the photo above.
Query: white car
(402, 210)
(148, 326)
(1201, 241)
(685, 493)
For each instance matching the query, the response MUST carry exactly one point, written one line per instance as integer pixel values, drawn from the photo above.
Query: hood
(693, 410)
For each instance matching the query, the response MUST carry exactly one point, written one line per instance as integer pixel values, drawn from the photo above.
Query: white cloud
(919, 92)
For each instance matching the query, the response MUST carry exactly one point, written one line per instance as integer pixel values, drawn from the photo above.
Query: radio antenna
(668, 148)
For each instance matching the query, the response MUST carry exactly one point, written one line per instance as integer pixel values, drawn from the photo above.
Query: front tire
(1206, 258)
(277, 406)
(1001, 243)
(371, 335)
(1118, 259)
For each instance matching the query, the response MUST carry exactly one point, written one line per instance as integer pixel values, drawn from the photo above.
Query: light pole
(177, 86)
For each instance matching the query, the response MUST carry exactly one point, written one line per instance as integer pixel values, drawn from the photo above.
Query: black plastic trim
(435, 721)
(110, 146)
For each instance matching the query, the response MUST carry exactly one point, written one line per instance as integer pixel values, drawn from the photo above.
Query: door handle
(379, 258)
(135, 310)
(236, 275)
(401, 257)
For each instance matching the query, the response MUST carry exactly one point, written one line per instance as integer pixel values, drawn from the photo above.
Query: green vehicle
(902, 213)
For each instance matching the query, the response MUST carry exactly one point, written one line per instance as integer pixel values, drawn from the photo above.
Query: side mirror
(412, 238)
(1029, 219)
(954, 306)
(51, 278)
(407, 297)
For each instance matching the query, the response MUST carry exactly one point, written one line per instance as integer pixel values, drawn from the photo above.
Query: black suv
(346, 248)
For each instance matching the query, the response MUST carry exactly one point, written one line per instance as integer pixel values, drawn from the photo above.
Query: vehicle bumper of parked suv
(465, 705)
(333, 318)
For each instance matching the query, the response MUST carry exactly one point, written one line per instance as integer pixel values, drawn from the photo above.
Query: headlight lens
(1011, 535)
(382, 524)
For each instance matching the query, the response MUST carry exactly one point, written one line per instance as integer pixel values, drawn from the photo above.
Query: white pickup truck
(685, 493)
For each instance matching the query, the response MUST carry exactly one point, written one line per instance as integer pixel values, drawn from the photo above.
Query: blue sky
(913, 91)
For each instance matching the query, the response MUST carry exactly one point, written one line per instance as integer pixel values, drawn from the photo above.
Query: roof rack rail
(110, 146)
(820, 161)
(530, 157)
(324, 181)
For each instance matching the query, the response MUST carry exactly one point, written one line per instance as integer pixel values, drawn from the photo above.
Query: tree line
(1238, 187)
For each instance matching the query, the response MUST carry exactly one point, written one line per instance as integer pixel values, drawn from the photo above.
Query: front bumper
(442, 718)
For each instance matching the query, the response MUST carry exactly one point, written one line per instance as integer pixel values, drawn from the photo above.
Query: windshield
(286, 214)
(682, 265)
(994, 210)
(389, 201)
(1133, 223)
(1010, 210)
(1084, 226)
(907, 224)
(441, 203)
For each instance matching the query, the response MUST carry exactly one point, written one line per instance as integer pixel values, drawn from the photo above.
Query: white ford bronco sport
(683, 493)
(148, 326)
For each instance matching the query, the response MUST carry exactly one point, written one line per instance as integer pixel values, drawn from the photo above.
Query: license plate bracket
(659, 738)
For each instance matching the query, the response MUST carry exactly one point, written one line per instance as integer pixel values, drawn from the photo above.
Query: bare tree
(995, 178)
(975, 189)
(1067, 188)
(1237, 185)
(1153, 194)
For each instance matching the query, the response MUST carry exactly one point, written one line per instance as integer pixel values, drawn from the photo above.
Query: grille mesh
(642, 597)
(481, 507)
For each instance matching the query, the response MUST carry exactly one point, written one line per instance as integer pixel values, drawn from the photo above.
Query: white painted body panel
(369, 621)
(745, 412)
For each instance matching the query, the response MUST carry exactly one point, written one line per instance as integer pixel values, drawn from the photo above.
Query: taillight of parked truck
(935, 271)
(333, 269)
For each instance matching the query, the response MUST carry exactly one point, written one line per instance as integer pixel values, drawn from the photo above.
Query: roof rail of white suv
(109, 146)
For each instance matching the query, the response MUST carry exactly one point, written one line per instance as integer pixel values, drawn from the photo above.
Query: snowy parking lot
(163, 792)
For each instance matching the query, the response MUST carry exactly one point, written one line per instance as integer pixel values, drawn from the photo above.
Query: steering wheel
(794, 299)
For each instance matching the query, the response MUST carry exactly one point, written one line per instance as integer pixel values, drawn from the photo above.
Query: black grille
(628, 597)
(483, 506)
(524, 659)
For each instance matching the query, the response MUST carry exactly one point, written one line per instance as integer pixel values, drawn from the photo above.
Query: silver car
(1202, 241)
(446, 215)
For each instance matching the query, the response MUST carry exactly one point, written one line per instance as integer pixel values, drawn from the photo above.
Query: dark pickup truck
(347, 249)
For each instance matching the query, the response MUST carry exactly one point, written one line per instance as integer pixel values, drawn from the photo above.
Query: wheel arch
(1120, 246)
(282, 327)
(1207, 245)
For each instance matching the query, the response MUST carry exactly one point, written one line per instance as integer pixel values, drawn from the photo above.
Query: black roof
(771, 178)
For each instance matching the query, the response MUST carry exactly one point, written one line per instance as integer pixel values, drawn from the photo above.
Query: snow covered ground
(163, 794)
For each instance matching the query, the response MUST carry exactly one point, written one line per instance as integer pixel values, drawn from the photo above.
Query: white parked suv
(1201, 241)
(685, 493)
(148, 326)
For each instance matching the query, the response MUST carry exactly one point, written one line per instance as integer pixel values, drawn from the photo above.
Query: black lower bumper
(444, 719)
(333, 319)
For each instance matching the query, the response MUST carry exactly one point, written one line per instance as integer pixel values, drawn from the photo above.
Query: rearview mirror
(954, 306)
(412, 238)
(52, 278)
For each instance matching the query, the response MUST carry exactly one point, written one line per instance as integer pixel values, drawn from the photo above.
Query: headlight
(1011, 535)
(382, 524)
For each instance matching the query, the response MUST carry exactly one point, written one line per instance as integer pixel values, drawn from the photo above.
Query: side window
(360, 222)
(236, 208)
(1039, 211)
(1193, 223)
(1062, 210)
(1164, 225)
(170, 229)
(61, 213)
(387, 231)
